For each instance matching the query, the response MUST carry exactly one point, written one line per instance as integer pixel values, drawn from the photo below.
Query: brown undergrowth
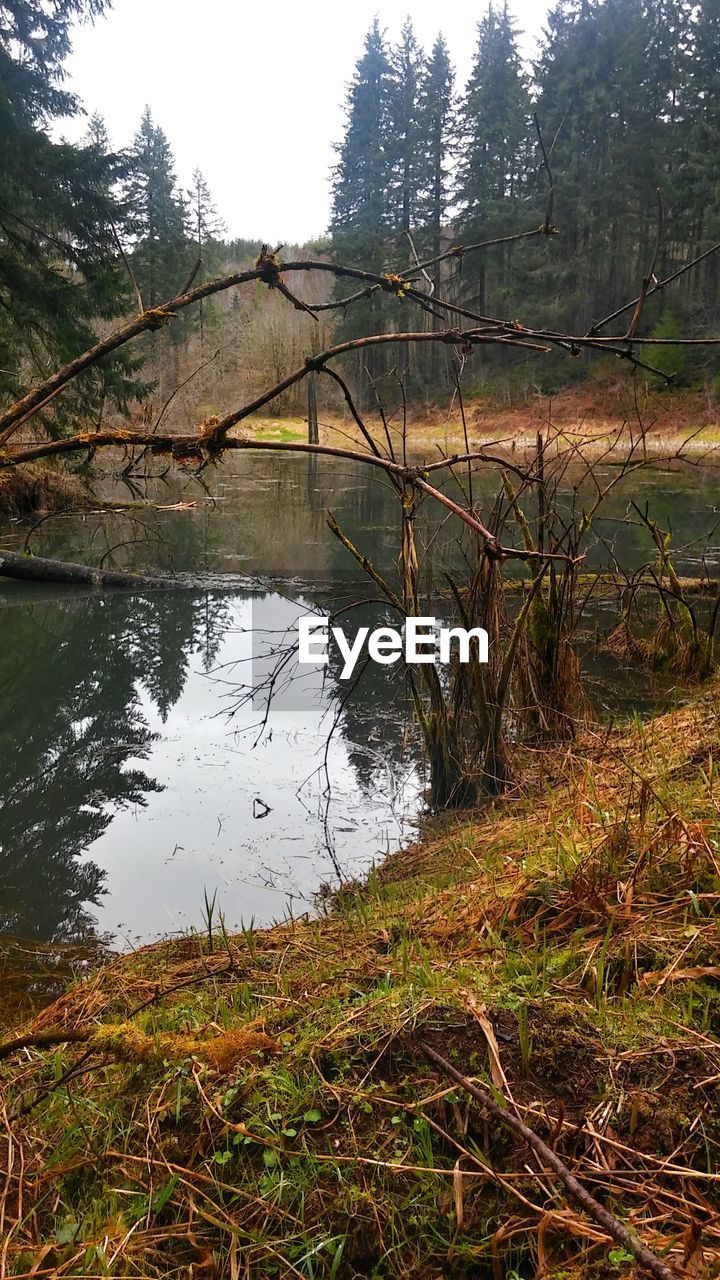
(560, 945)
(23, 493)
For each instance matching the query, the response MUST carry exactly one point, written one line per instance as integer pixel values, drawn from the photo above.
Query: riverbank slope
(263, 1104)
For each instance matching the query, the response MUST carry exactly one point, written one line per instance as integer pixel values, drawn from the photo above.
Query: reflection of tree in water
(162, 635)
(376, 720)
(70, 724)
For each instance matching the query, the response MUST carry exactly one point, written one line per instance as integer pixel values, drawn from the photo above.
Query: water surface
(135, 790)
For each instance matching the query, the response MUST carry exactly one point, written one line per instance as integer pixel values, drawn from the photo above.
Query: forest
(626, 93)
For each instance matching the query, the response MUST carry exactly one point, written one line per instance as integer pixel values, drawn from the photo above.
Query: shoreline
(559, 945)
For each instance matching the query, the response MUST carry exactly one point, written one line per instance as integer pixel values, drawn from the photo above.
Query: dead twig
(617, 1230)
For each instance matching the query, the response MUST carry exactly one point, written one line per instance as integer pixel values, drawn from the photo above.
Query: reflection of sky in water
(134, 781)
(204, 831)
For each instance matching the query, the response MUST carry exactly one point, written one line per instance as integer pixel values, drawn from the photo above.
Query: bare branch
(674, 275)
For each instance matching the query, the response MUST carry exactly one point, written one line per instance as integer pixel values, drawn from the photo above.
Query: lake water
(134, 787)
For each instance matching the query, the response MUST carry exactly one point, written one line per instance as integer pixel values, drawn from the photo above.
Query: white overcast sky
(252, 93)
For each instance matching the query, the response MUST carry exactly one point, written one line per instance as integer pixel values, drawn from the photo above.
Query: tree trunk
(27, 568)
(313, 431)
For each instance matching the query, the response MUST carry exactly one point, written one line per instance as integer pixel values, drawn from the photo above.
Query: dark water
(133, 788)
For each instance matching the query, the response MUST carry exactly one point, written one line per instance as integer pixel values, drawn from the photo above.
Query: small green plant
(209, 917)
(601, 972)
(672, 361)
(524, 1038)
(619, 1256)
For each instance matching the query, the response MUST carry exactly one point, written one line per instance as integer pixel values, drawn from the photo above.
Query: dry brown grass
(561, 944)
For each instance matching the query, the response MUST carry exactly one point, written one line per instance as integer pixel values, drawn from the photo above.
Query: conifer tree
(593, 91)
(702, 153)
(494, 144)
(437, 124)
(362, 178)
(207, 228)
(363, 174)
(97, 135)
(206, 223)
(495, 121)
(162, 253)
(404, 141)
(59, 267)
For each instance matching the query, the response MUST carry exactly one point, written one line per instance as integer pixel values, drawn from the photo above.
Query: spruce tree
(162, 254)
(437, 126)
(593, 93)
(407, 159)
(495, 118)
(205, 222)
(206, 227)
(361, 220)
(97, 135)
(494, 147)
(704, 147)
(59, 267)
(363, 174)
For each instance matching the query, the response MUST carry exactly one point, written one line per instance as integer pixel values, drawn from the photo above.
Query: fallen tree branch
(125, 1041)
(157, 317)
(617, 1230)
(42, 1040)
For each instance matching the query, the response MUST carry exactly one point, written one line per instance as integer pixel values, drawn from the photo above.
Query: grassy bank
(260, 1104)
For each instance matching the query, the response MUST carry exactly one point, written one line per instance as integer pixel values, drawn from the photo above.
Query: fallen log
(28, 568)
(126, 1042)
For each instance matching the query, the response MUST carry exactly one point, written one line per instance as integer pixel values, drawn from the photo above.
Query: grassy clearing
(599, 436)
(258, 1104)
(595, 411)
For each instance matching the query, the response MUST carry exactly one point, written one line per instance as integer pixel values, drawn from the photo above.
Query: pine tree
(702, 152)
(495, 121)
(162, 253)
(668, 41)
(97, 135)
(206, 223)
(593, 91)
(59, 268)
(363, 174)
(207, 228)
(437, 125)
